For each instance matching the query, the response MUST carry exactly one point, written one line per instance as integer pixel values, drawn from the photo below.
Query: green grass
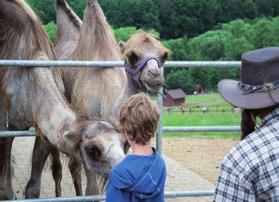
(220, 114)
(201, 119)
(208, 135)
(204, 98)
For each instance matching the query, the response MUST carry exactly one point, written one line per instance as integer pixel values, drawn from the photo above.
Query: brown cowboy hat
(259, 80)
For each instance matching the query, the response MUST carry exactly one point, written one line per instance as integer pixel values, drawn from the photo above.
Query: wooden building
(175, 97)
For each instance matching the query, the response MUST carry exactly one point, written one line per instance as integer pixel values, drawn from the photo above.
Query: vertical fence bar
(160, 123)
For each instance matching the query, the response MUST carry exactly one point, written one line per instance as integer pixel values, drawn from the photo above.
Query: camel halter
(134, 72)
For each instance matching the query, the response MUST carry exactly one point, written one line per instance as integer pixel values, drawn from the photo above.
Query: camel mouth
(101, 168)
(155, 85)
(153, 89)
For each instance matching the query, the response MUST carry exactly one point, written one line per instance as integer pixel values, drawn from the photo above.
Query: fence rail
(198, 193)
(165, 129)
(99, 64)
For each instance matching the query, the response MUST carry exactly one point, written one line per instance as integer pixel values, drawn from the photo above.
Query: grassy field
(220, 114)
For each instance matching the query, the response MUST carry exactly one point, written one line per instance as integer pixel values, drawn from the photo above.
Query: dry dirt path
(202, 156)
(192, 164)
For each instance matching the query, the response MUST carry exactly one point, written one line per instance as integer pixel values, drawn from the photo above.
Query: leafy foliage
(51, 29)
(193, 30)
(228, 42)
(172, 18)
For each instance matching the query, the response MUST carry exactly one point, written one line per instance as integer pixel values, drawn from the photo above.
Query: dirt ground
(202, 156)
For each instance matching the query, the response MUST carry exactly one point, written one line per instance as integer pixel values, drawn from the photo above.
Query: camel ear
(122, 46)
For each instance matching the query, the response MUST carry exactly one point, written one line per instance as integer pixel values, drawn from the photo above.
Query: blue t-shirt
(137, 178)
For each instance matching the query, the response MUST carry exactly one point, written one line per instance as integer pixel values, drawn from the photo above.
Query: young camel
(100, 92)
(34, 96)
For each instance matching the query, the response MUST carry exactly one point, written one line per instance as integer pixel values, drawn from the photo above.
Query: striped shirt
(250, 171)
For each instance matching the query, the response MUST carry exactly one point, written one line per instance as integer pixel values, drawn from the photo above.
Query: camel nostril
(154, 72)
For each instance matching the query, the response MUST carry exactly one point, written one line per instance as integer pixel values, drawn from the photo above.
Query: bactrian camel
(34, 96)
(101, 92)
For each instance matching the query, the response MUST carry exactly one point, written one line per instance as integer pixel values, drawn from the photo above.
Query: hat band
(246, 88)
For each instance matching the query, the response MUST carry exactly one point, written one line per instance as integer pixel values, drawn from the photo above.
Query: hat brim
(230, 91)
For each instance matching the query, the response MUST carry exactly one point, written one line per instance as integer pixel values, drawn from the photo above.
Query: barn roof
(176, 93)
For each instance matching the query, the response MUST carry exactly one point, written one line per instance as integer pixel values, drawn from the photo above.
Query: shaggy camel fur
(101, 92)
(33, 96)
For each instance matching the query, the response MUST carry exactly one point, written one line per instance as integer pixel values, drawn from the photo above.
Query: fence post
(160, 123)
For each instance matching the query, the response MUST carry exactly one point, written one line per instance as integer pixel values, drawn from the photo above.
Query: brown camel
(33, 96)
(100, 92)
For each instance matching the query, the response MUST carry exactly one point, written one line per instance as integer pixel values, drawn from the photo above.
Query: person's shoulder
(123, 170)
(129, 163)
(125, 164)
(240, 155)
(159, 157)
(245, 154)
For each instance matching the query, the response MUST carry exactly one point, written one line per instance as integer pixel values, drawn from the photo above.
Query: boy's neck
(144, 150)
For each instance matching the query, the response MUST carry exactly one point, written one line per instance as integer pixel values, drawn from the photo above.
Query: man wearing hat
(250, 171)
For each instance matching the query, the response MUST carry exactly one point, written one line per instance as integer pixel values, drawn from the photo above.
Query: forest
(193, 30)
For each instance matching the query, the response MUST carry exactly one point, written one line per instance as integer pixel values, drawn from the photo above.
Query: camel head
(99, 145)
(144, 57)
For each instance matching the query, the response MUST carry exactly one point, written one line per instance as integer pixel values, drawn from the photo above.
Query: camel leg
(75, 169)
(56, 170)
(41, 151)
(92, 185)
(6, 173)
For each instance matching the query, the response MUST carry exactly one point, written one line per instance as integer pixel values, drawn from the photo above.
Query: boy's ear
(122, 46)
(126, 147)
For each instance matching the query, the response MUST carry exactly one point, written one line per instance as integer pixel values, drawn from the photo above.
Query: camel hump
(21, 32)
(92, 2)
(17, 13)
(97, 40)
(62, 7)
(68, 23)
(61, 2)
(68, 27)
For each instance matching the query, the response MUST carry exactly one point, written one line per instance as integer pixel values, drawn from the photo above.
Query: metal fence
(102, 198)
(161, 129)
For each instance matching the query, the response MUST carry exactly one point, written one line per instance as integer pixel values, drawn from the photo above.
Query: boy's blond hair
(139, 117)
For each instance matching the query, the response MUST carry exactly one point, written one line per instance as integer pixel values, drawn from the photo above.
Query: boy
(141, 175)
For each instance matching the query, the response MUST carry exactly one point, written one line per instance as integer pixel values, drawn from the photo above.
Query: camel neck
(35, 98)
(132, 89)
(51, 112)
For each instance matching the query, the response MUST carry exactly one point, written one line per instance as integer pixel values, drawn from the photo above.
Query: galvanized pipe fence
(198, 193)
(4, 134)
(160, 130)
(102, 64)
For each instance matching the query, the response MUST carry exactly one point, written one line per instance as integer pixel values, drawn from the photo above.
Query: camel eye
(133, 58)
(164, 57)
(94, 152)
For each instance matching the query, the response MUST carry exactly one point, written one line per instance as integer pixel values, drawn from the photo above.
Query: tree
(209, 46)
(186, 17)
(78, 6)
(51, 29)
(124, 33)
(178, 47)
(138, 13)
(266, 33)
(267, 8)
(248, 9)
(45, 9)
(180, 78)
